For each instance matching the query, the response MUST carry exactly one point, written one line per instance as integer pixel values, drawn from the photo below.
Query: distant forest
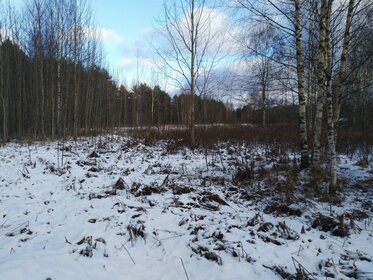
(54, 83)
(46, 97)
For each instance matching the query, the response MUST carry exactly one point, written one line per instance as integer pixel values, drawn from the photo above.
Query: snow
(69, 218)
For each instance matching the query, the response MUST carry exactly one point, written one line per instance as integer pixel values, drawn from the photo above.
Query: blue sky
(126, 28)
(125, 25)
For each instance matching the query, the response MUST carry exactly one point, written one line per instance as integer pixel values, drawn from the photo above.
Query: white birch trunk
(342, 66)
(321, 79)
(301, 93)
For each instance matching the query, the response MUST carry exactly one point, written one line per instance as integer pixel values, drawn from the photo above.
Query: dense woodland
(53, 82)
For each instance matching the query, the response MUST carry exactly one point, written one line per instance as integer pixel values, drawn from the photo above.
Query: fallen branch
(182, 263)
(129, 254)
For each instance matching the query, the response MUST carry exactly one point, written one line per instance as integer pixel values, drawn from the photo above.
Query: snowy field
(116, 208)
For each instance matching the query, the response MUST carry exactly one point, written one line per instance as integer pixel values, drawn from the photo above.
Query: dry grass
(210, 135)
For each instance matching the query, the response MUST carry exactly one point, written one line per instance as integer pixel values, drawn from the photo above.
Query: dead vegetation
(237, 175)
(329, 224)
(136, 230)
(283, 209)
(89, 245)
(145, 190)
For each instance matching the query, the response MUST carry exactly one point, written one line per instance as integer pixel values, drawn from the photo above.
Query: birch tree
(286, 18)
(332, 95)
(186, 28)
(322, 80)
(334, 100)
(343, 61)
(300, 79)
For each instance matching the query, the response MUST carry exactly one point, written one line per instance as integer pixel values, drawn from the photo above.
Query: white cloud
(110, 36)
(133, 62)
(107, 36)
(139, 58)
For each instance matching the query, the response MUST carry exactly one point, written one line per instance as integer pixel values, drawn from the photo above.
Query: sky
(125, 27)
(127, 30)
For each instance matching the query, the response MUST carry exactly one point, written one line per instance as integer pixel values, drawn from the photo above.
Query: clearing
(115, 208)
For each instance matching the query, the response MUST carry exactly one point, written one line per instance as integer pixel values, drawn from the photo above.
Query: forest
(249, 156)
(54, 81)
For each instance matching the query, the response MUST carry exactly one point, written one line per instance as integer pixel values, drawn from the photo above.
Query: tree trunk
(42, 107)
(330, 106)
(334, 113)
(4, 100)
(76, 101)
(192, 75)
(5, 96)
(2, 95)
(331, 144)
(264, 100)
(342, 67)
(52, 92)
(152, 106)
(321, 79)
(59, 118)
(301, 93)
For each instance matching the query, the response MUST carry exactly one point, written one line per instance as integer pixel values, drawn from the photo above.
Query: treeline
(145, 105)
(52, 78)
(30, 108)
(53, 81)
(39, 100)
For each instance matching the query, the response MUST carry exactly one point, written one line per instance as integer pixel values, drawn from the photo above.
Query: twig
(365, 272)
(2, 225)
(182, 263)
(107, 226)
(156, 241)
(302, 269)
(170, 237)
(221, 158)
(67, 241)
(14, 230)
(129, 254)
(206, 160)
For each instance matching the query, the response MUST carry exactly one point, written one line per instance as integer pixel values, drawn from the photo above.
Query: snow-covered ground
(118, 209)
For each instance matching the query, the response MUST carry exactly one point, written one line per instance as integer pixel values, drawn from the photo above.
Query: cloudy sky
(125, 27)
(128, 26)
(128, 32)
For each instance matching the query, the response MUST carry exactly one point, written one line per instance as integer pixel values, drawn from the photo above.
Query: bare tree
(191, 46)
(301, 90)
(343, 61)
(334, 99)
(326, 73)
(258, 53)
(287, 19)
(323, 73)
